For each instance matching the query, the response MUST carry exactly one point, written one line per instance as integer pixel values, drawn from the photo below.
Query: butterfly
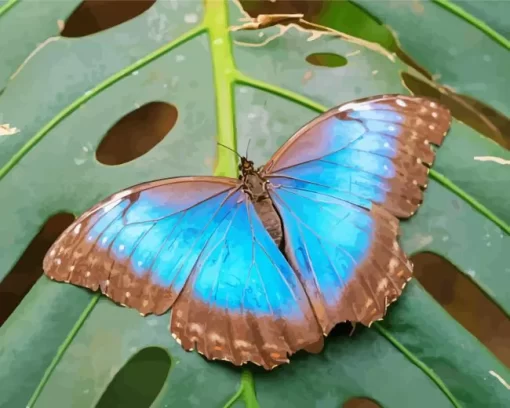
(260, 267)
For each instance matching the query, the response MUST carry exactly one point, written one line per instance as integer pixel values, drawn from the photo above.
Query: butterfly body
(259, 267)
(255, 185)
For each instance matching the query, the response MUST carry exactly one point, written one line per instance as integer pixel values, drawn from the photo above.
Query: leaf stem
(440, 178)
(481, 25)
(63, 347)
(416, 361)
(94, 91)
(216, 21)
(307, 103)
(246, 391)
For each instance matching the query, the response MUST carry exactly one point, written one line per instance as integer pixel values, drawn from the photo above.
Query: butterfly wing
(339, 185)
(376, 149)
(243, 302)
(138, 246)
(194, 244)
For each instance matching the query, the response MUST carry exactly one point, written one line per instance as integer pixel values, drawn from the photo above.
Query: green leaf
(63, 345)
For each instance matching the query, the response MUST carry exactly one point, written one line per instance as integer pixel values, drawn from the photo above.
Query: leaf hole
(136, 133)
(139, 381)
(326, 59)
(343, 16)
(361, 402)
(465, 302)
(28, 269)
(473, 113)
(93, 16)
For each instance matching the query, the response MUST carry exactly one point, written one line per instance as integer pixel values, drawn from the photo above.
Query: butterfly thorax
(255, 186)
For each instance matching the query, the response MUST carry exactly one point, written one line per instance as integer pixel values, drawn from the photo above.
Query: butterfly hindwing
(243, 302)
(339, 185)
(346, 256)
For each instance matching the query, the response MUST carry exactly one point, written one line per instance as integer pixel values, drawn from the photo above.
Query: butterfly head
(246, 166)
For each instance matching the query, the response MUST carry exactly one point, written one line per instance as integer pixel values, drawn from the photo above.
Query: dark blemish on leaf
(139, 382)
(137, 133)
(93, 16)
(326, 59)
(361, 402)
(28, 269)
(465, 302)
(473, 113)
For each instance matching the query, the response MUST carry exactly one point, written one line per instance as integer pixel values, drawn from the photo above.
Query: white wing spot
(418, 160)
(58, 261)
(215, 337)
(433, 105)
(77, 229)
(128, 294)
(87, 274)
(121, 247)
(385, 167)
(52, 253)
(194, 327)
(434, 114)
(391, 128)
(145, 303)
(432, 127)
(400, 102)
(382, 284)
(386, 145)
(71, 268)
(426, 142)
(415, 182)
(139, 263)
(241, 344)
(104, 240)
(107, 282)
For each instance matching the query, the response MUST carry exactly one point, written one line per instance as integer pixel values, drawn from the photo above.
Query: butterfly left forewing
(339, 185)
(132, 245)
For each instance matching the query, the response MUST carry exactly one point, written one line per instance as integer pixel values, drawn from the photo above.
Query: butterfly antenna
(247, 147)
(228, 148)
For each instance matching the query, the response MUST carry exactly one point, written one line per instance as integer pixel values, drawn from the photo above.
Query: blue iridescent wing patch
(376, 149)
(243, 302)
(339, 185)
(140, 245)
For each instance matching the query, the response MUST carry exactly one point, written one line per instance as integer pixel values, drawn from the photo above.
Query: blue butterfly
(260, 267)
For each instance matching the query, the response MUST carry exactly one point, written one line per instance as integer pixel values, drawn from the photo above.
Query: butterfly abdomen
(270, 219)
(255, 187)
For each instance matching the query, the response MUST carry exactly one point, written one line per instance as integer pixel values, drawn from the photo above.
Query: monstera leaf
(63, 345)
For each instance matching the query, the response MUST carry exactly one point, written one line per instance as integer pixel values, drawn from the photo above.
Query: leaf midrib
(226, 76)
